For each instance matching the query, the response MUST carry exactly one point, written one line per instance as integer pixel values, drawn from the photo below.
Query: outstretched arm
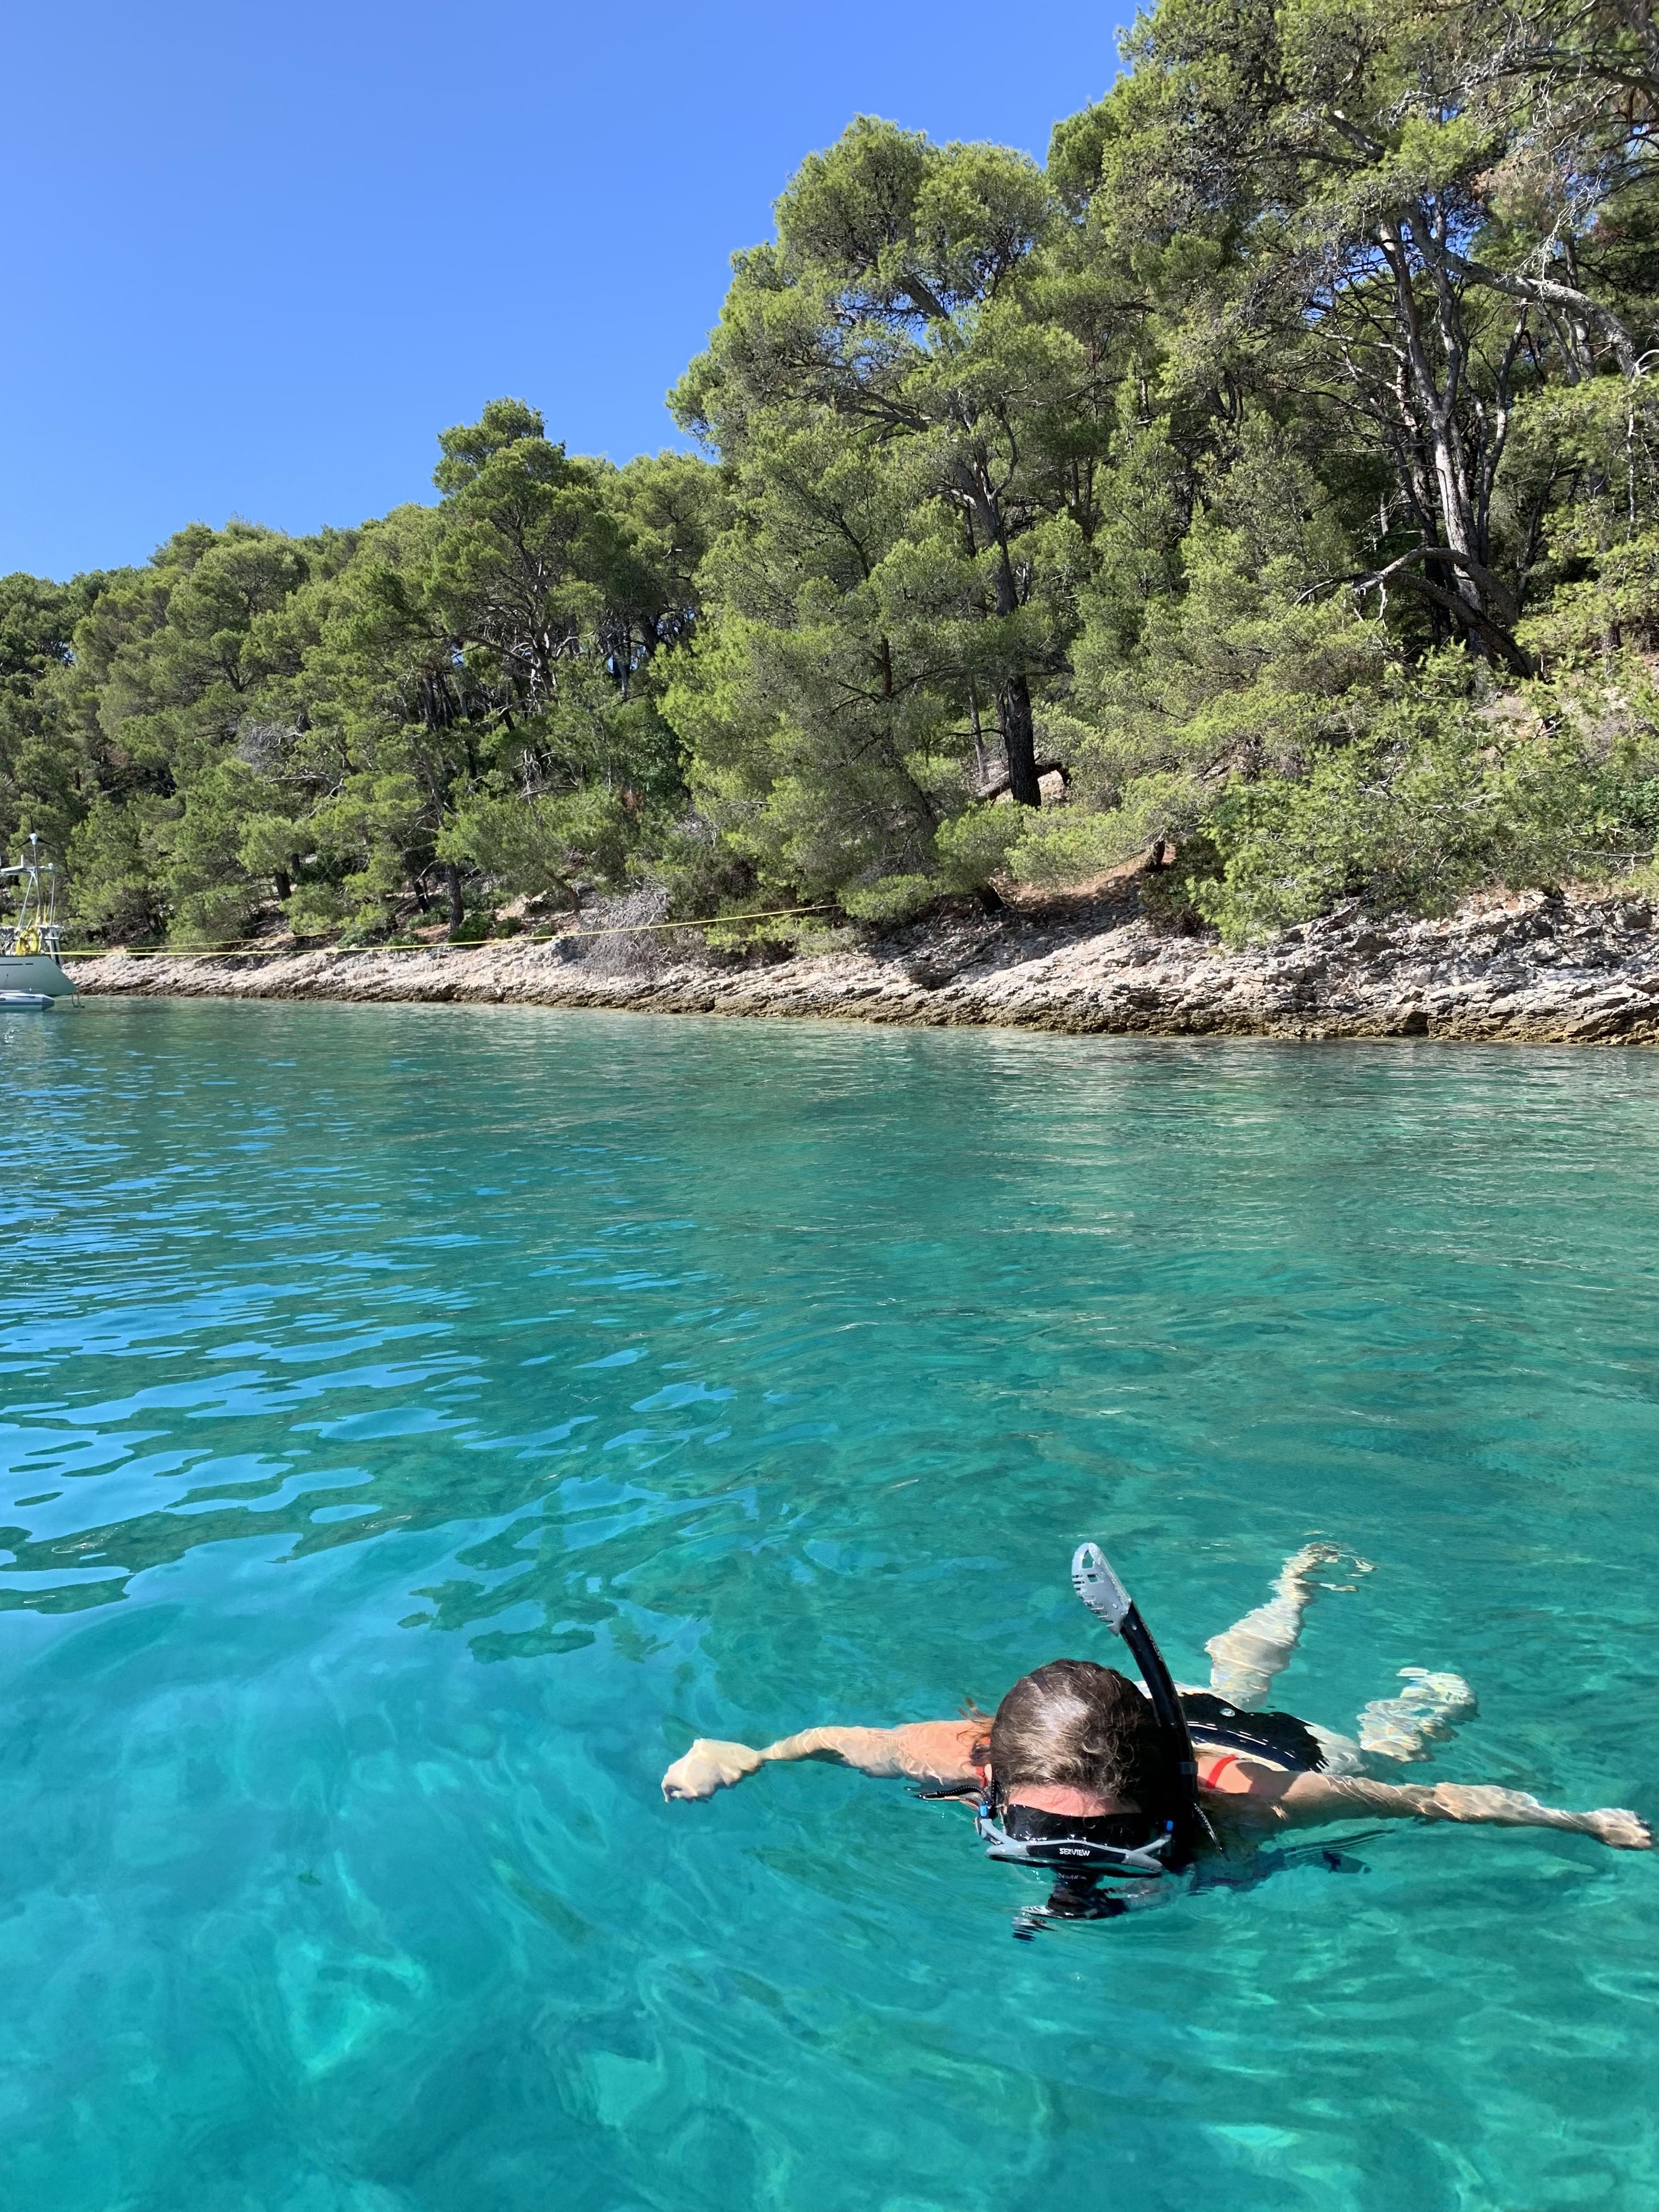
(1264, 1796)
(923, 1751)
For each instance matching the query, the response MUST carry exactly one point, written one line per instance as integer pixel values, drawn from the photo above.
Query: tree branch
(1492, 633)
(1546, 292)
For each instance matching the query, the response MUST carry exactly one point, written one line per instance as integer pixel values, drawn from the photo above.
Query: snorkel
(1093, 1580)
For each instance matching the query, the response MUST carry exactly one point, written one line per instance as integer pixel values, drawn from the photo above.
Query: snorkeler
(1093, 1777)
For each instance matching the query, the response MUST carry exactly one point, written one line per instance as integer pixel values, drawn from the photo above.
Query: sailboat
(30, 938)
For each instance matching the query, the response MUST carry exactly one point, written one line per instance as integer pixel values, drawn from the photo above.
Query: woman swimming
(1081, 1767)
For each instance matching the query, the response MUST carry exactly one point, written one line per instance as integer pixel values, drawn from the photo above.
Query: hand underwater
(1612, 1825)
(1621, 1829)
(708, 1766)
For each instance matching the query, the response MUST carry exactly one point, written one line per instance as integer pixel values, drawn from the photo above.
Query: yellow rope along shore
(440, 944)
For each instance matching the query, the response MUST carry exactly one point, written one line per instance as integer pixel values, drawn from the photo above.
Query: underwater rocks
(1533, 967)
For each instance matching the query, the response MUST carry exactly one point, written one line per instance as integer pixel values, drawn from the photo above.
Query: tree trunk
(1434, 407)
(1014, 700)
(981, 772)
(453, 883)
(1019, 741)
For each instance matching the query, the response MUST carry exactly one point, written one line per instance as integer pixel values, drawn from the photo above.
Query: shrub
(1445, 796)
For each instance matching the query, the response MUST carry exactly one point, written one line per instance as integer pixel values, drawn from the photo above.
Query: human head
(1079, 1725)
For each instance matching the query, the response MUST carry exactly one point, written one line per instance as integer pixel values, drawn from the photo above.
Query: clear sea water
(419, 1423)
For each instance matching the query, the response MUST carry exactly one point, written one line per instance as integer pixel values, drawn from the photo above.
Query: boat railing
(35, 927)
(44, 937)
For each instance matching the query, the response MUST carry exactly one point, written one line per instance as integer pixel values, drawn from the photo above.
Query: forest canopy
(1267, 484)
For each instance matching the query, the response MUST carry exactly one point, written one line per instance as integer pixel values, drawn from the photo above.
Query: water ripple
(416, 1423)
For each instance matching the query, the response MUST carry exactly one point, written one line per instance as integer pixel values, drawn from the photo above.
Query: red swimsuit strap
(1227, 1758)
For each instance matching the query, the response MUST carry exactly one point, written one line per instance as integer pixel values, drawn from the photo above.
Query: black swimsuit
(1276, 1739)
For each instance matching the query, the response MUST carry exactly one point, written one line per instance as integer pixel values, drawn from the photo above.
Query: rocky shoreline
(1533, 967)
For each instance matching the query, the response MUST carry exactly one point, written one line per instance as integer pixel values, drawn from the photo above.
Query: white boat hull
(34, 971)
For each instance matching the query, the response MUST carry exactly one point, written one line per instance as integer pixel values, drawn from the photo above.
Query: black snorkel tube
(1093, 1580)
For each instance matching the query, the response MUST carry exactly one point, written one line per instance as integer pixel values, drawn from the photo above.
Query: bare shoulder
(939, 1751)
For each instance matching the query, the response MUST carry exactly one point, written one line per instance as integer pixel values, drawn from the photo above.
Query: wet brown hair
(1073, 1724)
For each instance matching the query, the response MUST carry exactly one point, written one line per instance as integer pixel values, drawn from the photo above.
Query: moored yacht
(29, 933)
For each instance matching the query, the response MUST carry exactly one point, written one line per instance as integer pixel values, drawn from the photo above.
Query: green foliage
(1448, 794)
(454, 704)
(1177, 469)
(973, 847)
(908, 430)
(1589, 621)
(37, 781)
(1281, 463)
(114, 868)
(537, 846)
(1073, 843)
(890, 899)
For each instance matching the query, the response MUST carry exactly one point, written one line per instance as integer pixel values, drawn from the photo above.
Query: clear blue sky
(262, 254)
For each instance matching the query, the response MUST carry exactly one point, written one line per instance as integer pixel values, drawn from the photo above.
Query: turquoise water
(420, 1422)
